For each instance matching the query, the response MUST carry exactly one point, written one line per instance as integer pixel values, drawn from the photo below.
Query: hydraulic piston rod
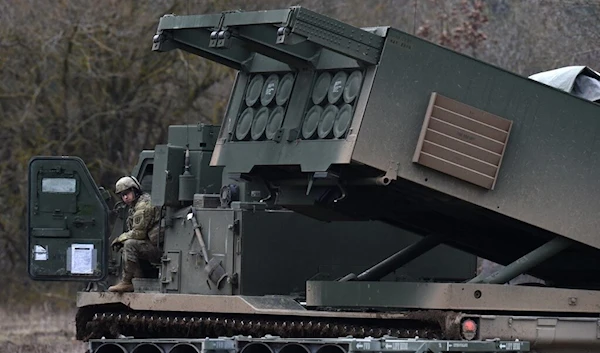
(400, 258)
(525, 263)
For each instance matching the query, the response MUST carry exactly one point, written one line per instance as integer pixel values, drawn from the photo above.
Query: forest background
(79, 78)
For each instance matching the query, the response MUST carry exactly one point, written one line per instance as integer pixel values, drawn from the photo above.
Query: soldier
(142, 240)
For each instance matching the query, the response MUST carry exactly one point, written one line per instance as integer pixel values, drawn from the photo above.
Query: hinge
(235, 226)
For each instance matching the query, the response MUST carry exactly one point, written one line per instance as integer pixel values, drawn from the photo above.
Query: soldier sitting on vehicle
(142, 240)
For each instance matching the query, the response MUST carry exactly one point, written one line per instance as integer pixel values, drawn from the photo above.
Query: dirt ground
(38, 331)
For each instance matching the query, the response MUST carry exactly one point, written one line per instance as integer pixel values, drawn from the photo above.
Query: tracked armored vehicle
(341, 206)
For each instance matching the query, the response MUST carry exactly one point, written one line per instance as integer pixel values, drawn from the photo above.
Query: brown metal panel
(462, 141)
(425, 124)
(451, 296)
(226, 304)
(463, 147)
(467, 123)
(459, 158)
(455, 170)
(501, 157)
(476, 114)
(465, 135)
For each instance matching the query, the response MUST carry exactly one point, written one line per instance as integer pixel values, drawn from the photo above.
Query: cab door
(67, 221)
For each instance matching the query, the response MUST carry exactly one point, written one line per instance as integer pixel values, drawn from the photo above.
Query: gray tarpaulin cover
(580, 81)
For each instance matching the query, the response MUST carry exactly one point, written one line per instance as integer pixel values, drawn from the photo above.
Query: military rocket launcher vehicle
(341, 206)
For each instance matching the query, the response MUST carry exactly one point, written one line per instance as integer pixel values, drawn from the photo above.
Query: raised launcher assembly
(348, 123)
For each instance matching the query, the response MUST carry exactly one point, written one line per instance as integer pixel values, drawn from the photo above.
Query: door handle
(78, 222)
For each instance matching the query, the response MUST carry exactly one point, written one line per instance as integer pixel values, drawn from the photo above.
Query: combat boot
(125, 285)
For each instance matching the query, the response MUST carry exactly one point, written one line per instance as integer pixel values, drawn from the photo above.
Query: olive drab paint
(67, 221)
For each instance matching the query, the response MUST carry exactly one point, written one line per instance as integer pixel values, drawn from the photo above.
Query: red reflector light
(469, 329)
(469, 326)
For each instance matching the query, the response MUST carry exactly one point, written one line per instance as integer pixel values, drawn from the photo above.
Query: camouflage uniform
(141, 241)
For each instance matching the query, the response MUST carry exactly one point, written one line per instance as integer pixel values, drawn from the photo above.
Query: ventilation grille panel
(462, 141)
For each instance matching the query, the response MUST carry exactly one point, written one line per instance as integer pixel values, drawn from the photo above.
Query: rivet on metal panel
(510, 321)
(572, 301)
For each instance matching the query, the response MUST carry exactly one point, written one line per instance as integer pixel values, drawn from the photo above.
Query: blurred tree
(457, 25)
(79, 78)
(532, 36)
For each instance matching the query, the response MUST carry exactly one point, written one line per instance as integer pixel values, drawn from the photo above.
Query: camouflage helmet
(125, 183)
